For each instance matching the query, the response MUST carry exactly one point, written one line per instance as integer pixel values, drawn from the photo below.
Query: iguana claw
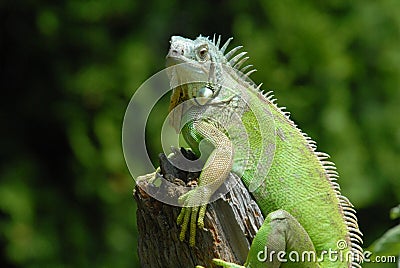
(225, 264)
(191, 212)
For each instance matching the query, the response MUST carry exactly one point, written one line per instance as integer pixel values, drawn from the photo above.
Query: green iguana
(225, 115)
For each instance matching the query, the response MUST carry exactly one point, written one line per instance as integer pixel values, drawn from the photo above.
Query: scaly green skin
(291, 182)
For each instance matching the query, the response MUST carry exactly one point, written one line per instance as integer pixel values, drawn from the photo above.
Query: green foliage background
(70, 68)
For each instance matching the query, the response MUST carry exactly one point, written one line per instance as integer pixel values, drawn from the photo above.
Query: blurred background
(70, 68)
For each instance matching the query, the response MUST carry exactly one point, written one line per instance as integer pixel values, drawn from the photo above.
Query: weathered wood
(230, 225)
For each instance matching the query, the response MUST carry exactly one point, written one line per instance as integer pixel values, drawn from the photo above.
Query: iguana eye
(202, 53)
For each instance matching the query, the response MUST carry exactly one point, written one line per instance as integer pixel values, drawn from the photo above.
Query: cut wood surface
(230, 224)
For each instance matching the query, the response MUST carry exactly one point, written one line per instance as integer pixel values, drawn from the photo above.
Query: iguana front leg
(217, 168)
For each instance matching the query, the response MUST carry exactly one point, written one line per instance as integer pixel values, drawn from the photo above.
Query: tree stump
(231, 223)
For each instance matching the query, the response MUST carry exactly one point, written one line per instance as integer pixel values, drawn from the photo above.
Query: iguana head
(202, 59)
(197, 52)
(195, 63)
(199, 67)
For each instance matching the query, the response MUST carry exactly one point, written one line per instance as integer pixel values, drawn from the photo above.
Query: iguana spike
(354, 231)
(246, 67)
(218, 41)
(233, 51)
(352, 220)
(250, 72)
(268, 94)
(349, 211)
(345, 200)
(332, 173)
(235, 59)
(223, 48)
(322, 156)
(328, 163)
(237, 65)
(357, 239)
(355, 245)
(213, 39)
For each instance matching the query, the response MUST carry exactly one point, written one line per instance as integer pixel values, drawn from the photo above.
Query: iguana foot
(226, 264)
(193, 212)
(150, 178)
(222, 263)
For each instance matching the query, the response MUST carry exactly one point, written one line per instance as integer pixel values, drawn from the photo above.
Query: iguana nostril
(177, 52)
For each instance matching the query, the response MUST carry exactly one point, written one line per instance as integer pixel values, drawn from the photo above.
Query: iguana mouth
(173, 58)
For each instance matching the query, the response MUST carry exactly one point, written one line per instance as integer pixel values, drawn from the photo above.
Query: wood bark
(231, 223)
